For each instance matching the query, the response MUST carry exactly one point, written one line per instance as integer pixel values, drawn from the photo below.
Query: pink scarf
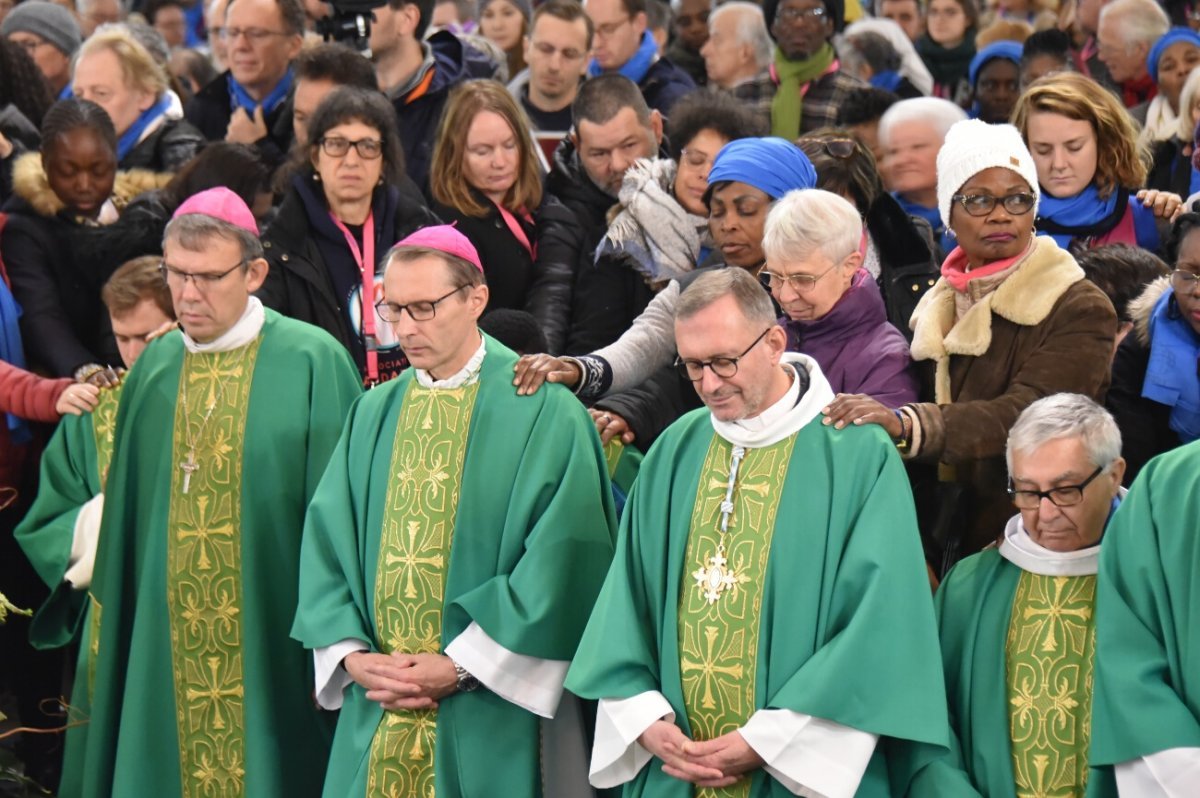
(954, 269)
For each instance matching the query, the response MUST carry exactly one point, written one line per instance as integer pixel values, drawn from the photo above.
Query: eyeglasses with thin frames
(723, 367)
(417, 311)
(1064, 496)
(203, 281)
(800, 283)
(1184, 281)
(253, 35)
(337, 147)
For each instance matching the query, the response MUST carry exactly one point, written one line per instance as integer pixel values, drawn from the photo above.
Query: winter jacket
(210, 113)
(166, 149)
(907, 266)
(1144, 423)
(690, 61)
(1171, 170)
(664, 85)
(28, 396)
(1044, 330)
(855, 346)
(57, 267)
(517, 281)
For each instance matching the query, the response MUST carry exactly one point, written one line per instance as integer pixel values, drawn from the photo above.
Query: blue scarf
(11, 352)
(240, 98)
(932, 215)
(129, 138)
(66, 94)
(888, 81)
(635, 68)
(1171, 377)
(1086, 215)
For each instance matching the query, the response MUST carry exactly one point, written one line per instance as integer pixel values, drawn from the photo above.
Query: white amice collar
(467, 375)
(1020, 549)
(243, 332)
(786, 416)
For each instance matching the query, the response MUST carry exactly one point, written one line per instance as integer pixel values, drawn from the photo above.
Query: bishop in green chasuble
(1146, 715)
(768, 580)
(198, 689)
(455, 518)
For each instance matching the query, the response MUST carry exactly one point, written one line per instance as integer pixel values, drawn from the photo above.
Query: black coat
(907, 267)
(664, 85)
(515, 280)
(167, 149)
(1171, 170)
(609, 295)
(209, 112)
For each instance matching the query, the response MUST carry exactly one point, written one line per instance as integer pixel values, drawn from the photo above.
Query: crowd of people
(409, 409)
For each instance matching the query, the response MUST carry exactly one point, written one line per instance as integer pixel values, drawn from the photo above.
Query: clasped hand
(403, 681)
(714, 763)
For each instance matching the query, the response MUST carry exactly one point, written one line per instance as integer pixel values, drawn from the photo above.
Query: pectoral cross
(189, 467)
(716, 578)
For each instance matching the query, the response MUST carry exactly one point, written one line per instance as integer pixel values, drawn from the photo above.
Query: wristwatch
(466, 682)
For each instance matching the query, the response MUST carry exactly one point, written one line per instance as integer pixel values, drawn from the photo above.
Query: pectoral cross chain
(189, 467)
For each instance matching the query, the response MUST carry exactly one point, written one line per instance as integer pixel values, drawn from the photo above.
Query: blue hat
(1172, 36)
(1010, 51)
(774, 166)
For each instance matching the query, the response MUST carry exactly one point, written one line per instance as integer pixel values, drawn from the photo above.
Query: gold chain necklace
(190, 466)
(716, 579)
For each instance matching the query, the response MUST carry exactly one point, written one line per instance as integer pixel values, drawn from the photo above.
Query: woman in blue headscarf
(995, 76)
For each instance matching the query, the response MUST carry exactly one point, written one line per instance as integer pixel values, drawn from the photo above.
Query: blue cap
(1010, 51)
(774, 166)
(1173, 36)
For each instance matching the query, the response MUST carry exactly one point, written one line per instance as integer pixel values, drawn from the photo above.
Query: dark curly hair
(1122, 272)
(720, 113)
(22, 83)
(68, 115)
(349, 104)
(234, 166)
(844, 165)
(1185, 224)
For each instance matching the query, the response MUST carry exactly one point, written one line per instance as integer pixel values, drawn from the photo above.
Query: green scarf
(792, 75)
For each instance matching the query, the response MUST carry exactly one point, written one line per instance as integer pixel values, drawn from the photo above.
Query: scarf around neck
(130, 138)
(240, 98)
(959, 278)
(948, 65)
(1080, 216)
(1171, 374)
(636, 67)
(794, 78)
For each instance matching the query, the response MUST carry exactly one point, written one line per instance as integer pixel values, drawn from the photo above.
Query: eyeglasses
(609, 28)
(418, 311)
(724, 367)
(203, 281)
(28, 45)
(841, 148)
(1184, 281)
(1017, 204)
(253, 35)
(568, 53)
(1065, 496)
(799, 14)
(697, 159)
(800, 283)
(336, 147)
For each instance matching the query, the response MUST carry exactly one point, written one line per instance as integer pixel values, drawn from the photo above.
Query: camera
(350, 22)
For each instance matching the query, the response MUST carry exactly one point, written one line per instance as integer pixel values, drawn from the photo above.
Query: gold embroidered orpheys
(1049, 667)
(93, 645)
(718, 641)
(204, 573)
(410, 582)
(104, 424)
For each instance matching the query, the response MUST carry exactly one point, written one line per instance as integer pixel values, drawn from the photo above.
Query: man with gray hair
(1017, 621)
(767, 616)
(1127, 31)
(737, 55)
(195, 578)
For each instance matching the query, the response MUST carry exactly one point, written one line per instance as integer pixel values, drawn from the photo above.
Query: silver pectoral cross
(189, 467)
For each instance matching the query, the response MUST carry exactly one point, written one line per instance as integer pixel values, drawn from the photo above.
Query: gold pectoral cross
(715, 579)
(189, 467)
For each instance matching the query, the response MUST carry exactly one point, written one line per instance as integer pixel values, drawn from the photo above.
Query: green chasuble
(515, 533)
(822, 605)
(1148, 616)
(1018, 654)
(72, 474)
(198, 689)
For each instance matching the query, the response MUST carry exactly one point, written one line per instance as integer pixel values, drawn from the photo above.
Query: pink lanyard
(518, 232)
(366, 265)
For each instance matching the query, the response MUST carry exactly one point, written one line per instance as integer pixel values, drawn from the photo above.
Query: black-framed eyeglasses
(1064, 496)
(418, 311)
(724, 367)
(336, 147)
(1184, 281)
(201, 280)
(1017, 204)
(800, 283)
(796, 14)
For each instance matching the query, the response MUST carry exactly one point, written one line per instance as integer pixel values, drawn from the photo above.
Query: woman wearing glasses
(1011, 320)
(1155, 393)
(1089, 166)
(486, 180)
(347, 203)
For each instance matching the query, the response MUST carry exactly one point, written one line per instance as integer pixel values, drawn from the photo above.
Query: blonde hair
(1186, 130)
(1120, 162)
(448, 181)
(139, 68)
(1003, 30)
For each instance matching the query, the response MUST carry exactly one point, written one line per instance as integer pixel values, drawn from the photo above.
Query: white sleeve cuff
(330, 677)
(529, 682)
(809, 756)
(83, 543)
(1173, 773)
(617, 756)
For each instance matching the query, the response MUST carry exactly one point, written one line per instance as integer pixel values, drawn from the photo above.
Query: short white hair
(1187, 97)
(1066, 415)
(751, 29)
(1142, 21)
(811, 220)
(940, 115)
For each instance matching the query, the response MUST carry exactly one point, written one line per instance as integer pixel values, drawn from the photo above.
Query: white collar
(467, 375)
(1021, 550)
(243, 332)
(786, 416)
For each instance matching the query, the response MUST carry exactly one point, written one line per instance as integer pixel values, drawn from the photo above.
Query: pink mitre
(444, 238)
(219, 203)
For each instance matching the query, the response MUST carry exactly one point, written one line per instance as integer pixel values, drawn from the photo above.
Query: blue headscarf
(1172, 36)
(772, 165)
(1007, 50)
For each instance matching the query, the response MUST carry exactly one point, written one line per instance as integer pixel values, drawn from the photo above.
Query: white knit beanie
(972, 146)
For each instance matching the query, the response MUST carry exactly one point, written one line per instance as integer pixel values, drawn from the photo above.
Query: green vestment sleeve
(847, 629)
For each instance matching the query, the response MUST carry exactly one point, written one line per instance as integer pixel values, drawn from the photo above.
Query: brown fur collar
(1142, 307)
(31, 185)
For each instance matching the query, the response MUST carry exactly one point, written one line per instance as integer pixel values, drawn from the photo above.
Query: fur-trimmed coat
(57, 266)
(1044, 330)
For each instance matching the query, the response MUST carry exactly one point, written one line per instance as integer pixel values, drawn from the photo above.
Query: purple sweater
(856, 347)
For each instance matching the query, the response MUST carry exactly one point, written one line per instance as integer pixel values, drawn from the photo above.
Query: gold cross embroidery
(709, 669)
